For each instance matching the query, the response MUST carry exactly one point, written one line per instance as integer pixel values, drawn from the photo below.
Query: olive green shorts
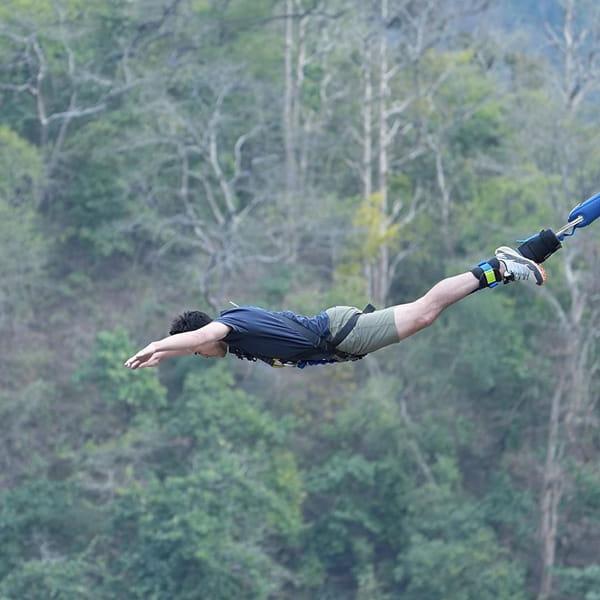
(371, 332)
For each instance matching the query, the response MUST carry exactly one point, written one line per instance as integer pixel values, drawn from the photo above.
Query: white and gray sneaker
(518, 267)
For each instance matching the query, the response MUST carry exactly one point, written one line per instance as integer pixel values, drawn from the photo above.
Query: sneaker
(518, 267)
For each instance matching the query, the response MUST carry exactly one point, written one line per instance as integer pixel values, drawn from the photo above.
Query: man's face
(213, 350)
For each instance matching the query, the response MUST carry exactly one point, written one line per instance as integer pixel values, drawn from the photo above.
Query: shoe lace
(516, 271)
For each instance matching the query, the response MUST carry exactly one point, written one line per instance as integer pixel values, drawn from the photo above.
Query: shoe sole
(533, 266)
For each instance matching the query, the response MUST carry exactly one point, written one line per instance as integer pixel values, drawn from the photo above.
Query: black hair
(189, 321)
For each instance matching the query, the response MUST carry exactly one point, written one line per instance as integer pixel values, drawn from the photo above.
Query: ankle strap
(488, 273)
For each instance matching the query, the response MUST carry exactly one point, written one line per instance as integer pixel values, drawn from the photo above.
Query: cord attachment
(540, 246)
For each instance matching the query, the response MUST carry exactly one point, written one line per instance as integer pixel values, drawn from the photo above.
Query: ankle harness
(540, 246)
(487, 273)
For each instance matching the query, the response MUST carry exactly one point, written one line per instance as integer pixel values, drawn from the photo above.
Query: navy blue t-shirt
(265, 335)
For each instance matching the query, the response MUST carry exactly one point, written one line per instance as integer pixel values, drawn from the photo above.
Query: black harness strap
(327, 344)
(343, 333)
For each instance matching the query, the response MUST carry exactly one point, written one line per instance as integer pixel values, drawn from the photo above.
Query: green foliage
(142, 167)
(586, 503)
(373, 220)
(510, 510)
(211, 406)
(60, 579)
(21, 169)
(581, 583)
(357, 491)
(522, 203)
(450, 539)
(200, 531)
(115, 385)
(39, 520)
(207, 521)
(23, 255)
(86, 209)
(469, 568)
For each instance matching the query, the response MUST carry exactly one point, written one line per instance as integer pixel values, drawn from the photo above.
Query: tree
(21, 175)
(220, 500)
(392, 58)
(23, 262)
(46, 66)
(571, 419)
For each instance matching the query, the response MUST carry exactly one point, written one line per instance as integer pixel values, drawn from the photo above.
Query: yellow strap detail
(277, 363)
(490, 276)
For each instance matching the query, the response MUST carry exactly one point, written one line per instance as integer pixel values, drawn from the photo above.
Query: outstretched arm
(157, 358)
(179, 344)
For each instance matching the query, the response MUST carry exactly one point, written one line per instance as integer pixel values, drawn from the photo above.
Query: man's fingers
(140, 360)
(132, 362)
(141, 357)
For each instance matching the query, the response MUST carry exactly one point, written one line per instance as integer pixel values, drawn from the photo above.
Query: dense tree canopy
(161, 156)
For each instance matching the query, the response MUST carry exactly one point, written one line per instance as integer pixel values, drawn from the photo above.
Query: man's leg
(421, 313)
(506, 266)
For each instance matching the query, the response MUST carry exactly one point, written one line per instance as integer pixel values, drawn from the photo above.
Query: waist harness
(325, 344)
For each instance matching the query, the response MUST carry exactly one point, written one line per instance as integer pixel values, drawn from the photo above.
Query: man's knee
(426, 318)
(415, 316)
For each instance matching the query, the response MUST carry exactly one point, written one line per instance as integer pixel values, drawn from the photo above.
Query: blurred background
(164, 155)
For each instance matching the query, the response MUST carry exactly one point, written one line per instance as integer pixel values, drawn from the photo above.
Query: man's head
(189, 321)
(195, 319)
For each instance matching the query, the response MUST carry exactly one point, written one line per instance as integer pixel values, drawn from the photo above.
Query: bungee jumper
(345, 333)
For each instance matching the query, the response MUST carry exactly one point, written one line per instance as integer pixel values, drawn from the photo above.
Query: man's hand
(205, 341)
(147, 357)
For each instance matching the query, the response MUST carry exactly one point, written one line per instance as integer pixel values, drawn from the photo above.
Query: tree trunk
(367, 114)
(380, 283)
(552, 491)
(289, 110)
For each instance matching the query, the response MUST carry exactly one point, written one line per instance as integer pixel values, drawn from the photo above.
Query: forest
(158, 156)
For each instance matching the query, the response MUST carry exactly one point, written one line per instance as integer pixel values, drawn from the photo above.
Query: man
(337, 334)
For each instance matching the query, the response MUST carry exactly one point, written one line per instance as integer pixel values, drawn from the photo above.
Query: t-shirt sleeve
(238, 319)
